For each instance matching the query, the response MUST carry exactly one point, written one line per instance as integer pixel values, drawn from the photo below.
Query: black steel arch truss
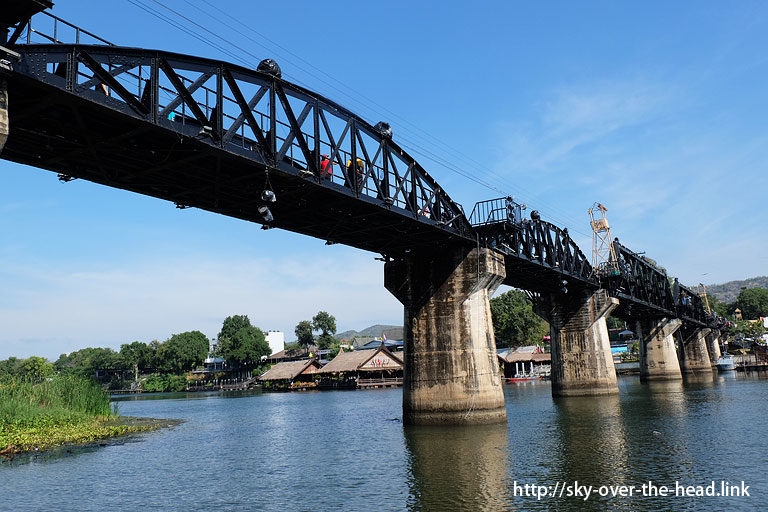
(252, 114)
(648, 291)
(537, 253)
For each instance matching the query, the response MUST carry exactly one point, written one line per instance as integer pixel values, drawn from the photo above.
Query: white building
(276, 340)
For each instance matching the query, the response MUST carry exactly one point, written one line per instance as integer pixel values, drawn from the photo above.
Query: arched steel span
(228, 129)
(214, 135)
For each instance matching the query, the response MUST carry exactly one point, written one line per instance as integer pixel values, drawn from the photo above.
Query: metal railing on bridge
(252, 113)
(500, 226)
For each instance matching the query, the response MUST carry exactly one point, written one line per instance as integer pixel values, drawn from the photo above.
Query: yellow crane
(703, 294)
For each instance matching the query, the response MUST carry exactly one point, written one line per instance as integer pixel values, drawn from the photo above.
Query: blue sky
(656, 109)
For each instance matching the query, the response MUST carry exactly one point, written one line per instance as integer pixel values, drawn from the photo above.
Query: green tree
(751, 330)
(182, 352)
(304, 335)
(232, 324)
(718, 306)
(36, 368)
(326, 324)
(86, 361)
(137, 356)
(615, 323)
(245, 347)
(11, 367)
(514, 322)
(753, 303)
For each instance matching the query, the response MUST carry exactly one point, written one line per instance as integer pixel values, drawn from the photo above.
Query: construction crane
(604, 261)
(702, 289)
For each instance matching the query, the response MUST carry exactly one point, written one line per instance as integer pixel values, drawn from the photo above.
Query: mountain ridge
(727, 292)
(374, 331)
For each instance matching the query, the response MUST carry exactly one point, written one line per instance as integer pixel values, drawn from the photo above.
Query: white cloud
(681, 181)
(58, 309)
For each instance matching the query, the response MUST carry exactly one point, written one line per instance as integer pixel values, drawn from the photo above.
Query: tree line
(753, 303)
(241, 344)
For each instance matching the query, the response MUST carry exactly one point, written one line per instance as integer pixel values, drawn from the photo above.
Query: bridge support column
(582, 364)
(694, 357)
(451, 370)
(4, 126)
(658, 355)
(713, 346)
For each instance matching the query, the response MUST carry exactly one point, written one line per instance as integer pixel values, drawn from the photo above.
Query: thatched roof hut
(290, 370)
(363, 360)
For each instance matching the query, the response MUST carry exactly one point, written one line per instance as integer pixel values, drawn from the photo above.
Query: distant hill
(394, 332)
(727, 292)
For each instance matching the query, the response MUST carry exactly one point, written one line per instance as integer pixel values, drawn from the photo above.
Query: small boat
(725, 363)
(527, 377)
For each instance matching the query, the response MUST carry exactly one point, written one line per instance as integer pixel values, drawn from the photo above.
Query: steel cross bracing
(644, 290)
(215, 136)
(539, 256)
(542, 258)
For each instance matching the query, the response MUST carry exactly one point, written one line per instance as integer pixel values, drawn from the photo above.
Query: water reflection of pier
(456, 468)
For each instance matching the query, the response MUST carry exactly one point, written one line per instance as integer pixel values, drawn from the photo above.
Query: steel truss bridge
(220, 137)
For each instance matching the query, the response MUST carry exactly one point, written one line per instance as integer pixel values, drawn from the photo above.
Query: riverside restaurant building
(362, 369)
(291, 375)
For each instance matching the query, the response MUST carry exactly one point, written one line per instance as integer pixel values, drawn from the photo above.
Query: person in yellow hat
(358, 172)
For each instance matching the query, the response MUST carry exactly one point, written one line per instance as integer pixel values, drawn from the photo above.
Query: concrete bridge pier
(582, 364)
(451, 371)
(694, 357)
(4, 127)
(713, 346)
(658, 355)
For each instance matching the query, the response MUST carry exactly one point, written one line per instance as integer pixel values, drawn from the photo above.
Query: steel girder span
(215, 136)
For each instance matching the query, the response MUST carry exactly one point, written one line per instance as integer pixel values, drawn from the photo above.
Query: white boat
(725, 363)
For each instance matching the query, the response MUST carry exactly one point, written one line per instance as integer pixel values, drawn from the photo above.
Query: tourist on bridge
(326, 167)
(358, 172)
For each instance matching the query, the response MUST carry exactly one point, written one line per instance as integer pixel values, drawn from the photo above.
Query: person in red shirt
(326, 167)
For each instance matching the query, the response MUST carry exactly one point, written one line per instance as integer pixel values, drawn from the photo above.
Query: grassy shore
(37, 416)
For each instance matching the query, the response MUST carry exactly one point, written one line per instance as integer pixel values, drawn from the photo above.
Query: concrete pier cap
(451, 371)
(582, 364)
(658, 354)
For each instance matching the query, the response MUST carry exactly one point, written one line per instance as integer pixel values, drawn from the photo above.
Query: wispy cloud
(679, 183)
(145, 301)
(573, 117)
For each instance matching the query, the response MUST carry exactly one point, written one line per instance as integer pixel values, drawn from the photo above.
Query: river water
(348, 450)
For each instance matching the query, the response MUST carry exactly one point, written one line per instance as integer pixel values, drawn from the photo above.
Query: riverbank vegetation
(156, 366)
(64, 409)
(514, 322)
